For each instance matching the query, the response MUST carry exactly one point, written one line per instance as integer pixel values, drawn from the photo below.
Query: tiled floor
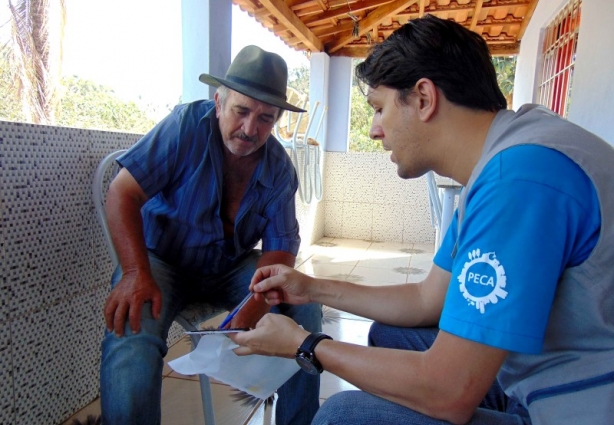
(364, 262)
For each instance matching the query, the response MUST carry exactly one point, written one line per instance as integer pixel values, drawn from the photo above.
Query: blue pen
(234, 312)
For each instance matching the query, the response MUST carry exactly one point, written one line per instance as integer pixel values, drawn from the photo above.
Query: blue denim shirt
(178, 164)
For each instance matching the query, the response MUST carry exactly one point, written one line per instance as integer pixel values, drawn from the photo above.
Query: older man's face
(245, 123)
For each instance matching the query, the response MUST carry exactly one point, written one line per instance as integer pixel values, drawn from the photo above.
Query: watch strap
(309, 344)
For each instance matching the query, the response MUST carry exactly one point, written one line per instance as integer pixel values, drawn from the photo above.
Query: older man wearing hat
(193, 198)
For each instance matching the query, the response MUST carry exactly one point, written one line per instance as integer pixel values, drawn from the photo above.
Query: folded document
(257, 375)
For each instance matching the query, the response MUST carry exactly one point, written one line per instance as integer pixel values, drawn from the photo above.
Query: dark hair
(455, 59)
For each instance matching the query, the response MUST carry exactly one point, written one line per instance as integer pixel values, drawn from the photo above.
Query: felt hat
(258, 74)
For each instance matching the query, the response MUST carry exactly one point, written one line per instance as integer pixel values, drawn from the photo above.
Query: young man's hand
(281, 284)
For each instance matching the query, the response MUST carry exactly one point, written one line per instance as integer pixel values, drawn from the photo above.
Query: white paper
(257, 375)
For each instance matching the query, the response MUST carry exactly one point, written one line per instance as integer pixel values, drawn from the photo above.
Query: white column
(206, 42)
(319, 65)
(339, 94)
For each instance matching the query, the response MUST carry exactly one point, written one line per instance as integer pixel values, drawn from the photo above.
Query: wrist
(305, 354)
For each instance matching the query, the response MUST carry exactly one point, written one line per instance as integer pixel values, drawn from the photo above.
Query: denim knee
(309, 316)
(131, 378)
(338, 409)
(356, 408)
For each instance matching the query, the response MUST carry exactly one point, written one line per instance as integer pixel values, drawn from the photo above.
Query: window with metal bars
(559, 57)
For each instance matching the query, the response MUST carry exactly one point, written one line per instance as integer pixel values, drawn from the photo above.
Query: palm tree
(37, 33)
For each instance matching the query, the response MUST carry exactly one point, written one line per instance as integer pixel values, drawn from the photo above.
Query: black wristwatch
(306, 358)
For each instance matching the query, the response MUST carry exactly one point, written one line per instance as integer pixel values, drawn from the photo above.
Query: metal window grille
(559, 57)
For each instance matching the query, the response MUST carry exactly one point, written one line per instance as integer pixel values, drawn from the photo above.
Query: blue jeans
(131, 366)
(358, 407)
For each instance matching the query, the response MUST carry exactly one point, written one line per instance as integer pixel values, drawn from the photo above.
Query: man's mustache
(241, 135)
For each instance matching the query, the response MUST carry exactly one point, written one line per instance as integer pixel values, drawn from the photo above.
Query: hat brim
(249, 92)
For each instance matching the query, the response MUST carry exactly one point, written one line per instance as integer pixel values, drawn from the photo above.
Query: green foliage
(85, 104)
(506, 73)
(361, 115)
(298, 78)
(10, 106)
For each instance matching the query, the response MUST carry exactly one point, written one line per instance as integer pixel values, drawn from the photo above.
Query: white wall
(592, 95)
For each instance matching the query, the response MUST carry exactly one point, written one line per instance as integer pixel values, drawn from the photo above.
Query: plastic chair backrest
(194, 314)
(434, 199)
(105, 172)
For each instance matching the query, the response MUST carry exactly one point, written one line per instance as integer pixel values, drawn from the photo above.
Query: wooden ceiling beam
(374, 18)
(328, 25)
(310, 11)
(421, 8)
(526, 19)
(300, 4)
(345, 27)
(455, 7)
(509, 49)
(359, 51)
(476, 14)
(322, 4)
(332, 30)
(284, 15)
(343, 11)
(362, 50)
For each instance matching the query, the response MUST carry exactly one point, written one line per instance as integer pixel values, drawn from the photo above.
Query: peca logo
(482, 280)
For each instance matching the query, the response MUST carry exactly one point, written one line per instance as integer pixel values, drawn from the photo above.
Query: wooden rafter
(283, 14)
(476, 14)
(527, 18)
(343, 11)
(350, 27)
(374, 18)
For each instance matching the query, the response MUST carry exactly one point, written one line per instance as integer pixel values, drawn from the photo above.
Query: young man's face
(245, 123)
(397, 125)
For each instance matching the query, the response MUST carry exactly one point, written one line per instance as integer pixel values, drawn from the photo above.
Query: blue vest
(572, 380)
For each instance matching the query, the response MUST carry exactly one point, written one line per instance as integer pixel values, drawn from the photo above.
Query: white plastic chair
(436, 206)
(194, 314)
(293, 131)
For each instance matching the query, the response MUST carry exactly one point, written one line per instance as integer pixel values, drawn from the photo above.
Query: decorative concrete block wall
(55, 269)
(366, 199)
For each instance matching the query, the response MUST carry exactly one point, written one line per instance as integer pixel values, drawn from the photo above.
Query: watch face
(306, 364)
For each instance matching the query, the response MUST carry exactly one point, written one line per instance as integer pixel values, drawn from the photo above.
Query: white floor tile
(328, 270)
(386, 261)
(182, 404)
(351, 243)
(340, 258)
(421, 262)
(378, 277)
(390, 246)
(336, 315)
(350, 331)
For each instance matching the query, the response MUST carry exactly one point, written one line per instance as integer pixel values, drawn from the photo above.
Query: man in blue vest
(514, 324)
